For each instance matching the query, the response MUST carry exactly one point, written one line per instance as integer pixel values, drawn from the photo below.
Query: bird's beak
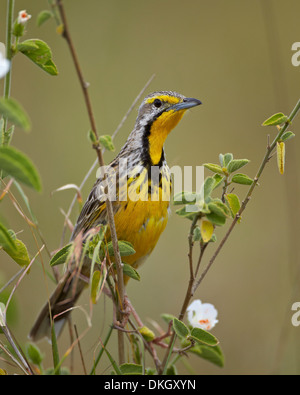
(188, 102)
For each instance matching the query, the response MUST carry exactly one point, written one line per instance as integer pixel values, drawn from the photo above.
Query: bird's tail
(60, 305)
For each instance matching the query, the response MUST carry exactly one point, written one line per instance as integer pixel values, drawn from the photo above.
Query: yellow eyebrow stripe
(165, 98)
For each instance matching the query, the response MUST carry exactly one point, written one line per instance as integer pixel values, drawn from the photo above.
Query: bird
(141, 206)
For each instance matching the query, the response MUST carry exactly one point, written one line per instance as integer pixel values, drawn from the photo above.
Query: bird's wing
(94, 210)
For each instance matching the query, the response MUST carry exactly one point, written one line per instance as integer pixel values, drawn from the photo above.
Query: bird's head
(158, 114)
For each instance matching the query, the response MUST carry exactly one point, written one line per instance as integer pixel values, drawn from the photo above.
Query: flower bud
(147, 334)
(19, 25)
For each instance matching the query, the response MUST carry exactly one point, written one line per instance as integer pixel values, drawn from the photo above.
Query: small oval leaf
(129, 271)
(218, 208)
(211, 354)
(207, 230)
(61, 256)
(202, 336)
(20, 256)
(215, 168)
(216, 219)
(34, 354)
(40, 54)
(20, 167)
(227, 159)
(6, 240)
(287, 135)
(236, 164)
(14, 112)
(43, 16)
(107, 142)
(242, 179)
(125, 248)
(180, 328)
(131, 368)
(276, 119)
(233, 203)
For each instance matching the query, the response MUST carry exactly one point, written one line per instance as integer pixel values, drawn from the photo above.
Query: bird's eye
(157, 103)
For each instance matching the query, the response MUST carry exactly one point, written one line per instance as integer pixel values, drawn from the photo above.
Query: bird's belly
(141, 223)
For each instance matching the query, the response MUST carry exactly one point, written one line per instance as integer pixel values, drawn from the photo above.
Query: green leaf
(242, 179)
(6, 239)
(20, 256)
(167, 317)
(95, 285)
(208, 187)
(276, 119)
(207, 230)
(184, 198)
(34, 354)
(287, 135)
(236, 164)
(14, 112)
(202, 336)
(129, 271)
(20, 167)
(131, 368)
(233, 203)
(183, 212)
(218, 179)
(125, 248)
(219, 208)
(180, 328)
(40, 53)
(92, 137)
(55, 354)
(171, 370)
(113, 362)
(43, 16)
(107, 142)
(197, 234)
(211, 354)
(26, 201)
(215, 168)
(61, 256)
(216, 219)
(227, 159)
(221, 160)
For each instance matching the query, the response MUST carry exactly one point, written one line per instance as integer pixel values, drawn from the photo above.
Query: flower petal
(4, 66)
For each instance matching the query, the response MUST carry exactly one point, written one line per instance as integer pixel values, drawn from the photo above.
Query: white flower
(23, 17)
(4, 65)
(202, 315)
(2, 315)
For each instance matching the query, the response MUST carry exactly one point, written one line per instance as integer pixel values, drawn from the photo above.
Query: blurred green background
(235, 56)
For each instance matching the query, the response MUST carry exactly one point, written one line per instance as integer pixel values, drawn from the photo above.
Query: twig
(80, 351)
(11, 356)
(96, 146)
(187, 295)
(7, 80)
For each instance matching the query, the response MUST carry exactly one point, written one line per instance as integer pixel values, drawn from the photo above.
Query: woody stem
(96, 146)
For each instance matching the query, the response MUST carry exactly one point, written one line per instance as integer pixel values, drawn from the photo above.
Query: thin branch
(80, 350)
(96, 146)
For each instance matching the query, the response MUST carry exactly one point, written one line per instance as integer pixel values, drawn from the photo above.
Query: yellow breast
(142, 217)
